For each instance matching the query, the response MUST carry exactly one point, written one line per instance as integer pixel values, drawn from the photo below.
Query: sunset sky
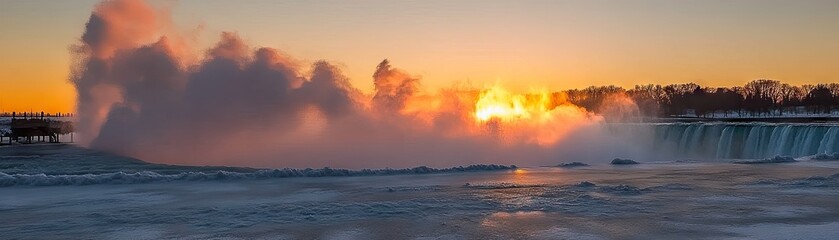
(523, 45)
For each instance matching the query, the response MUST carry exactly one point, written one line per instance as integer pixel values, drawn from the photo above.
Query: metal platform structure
(34, 128)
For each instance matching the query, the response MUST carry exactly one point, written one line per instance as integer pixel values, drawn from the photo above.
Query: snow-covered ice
(83, 194)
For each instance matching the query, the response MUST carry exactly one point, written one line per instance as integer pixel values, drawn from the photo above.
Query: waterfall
(742, 140)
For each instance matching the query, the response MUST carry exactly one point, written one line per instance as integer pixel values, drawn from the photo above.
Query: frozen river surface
(71, 193)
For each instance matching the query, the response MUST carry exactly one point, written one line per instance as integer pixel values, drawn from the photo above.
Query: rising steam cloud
(143, 92)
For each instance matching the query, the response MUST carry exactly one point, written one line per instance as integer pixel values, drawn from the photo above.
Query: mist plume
(142, 93)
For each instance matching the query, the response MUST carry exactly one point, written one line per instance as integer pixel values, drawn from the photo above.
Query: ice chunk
(585, 184)
(571, 165)
(776, 159)
(618, 161)
(622, 189)
(826, 157)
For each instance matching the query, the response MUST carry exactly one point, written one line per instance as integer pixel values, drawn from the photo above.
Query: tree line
(756, 98)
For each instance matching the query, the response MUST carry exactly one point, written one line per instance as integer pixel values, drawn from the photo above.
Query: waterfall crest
(742, 140)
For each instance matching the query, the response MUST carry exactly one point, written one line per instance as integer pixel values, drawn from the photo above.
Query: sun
(498, 103)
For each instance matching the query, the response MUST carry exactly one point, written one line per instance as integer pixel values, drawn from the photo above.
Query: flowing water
(735, 140)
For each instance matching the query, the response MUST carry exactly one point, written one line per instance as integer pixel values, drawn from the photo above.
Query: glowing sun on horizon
(498, 103)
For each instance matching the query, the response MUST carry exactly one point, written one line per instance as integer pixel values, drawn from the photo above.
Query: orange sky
(522, 45)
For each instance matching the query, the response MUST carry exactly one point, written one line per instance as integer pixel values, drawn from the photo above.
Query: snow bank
(150, 176)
